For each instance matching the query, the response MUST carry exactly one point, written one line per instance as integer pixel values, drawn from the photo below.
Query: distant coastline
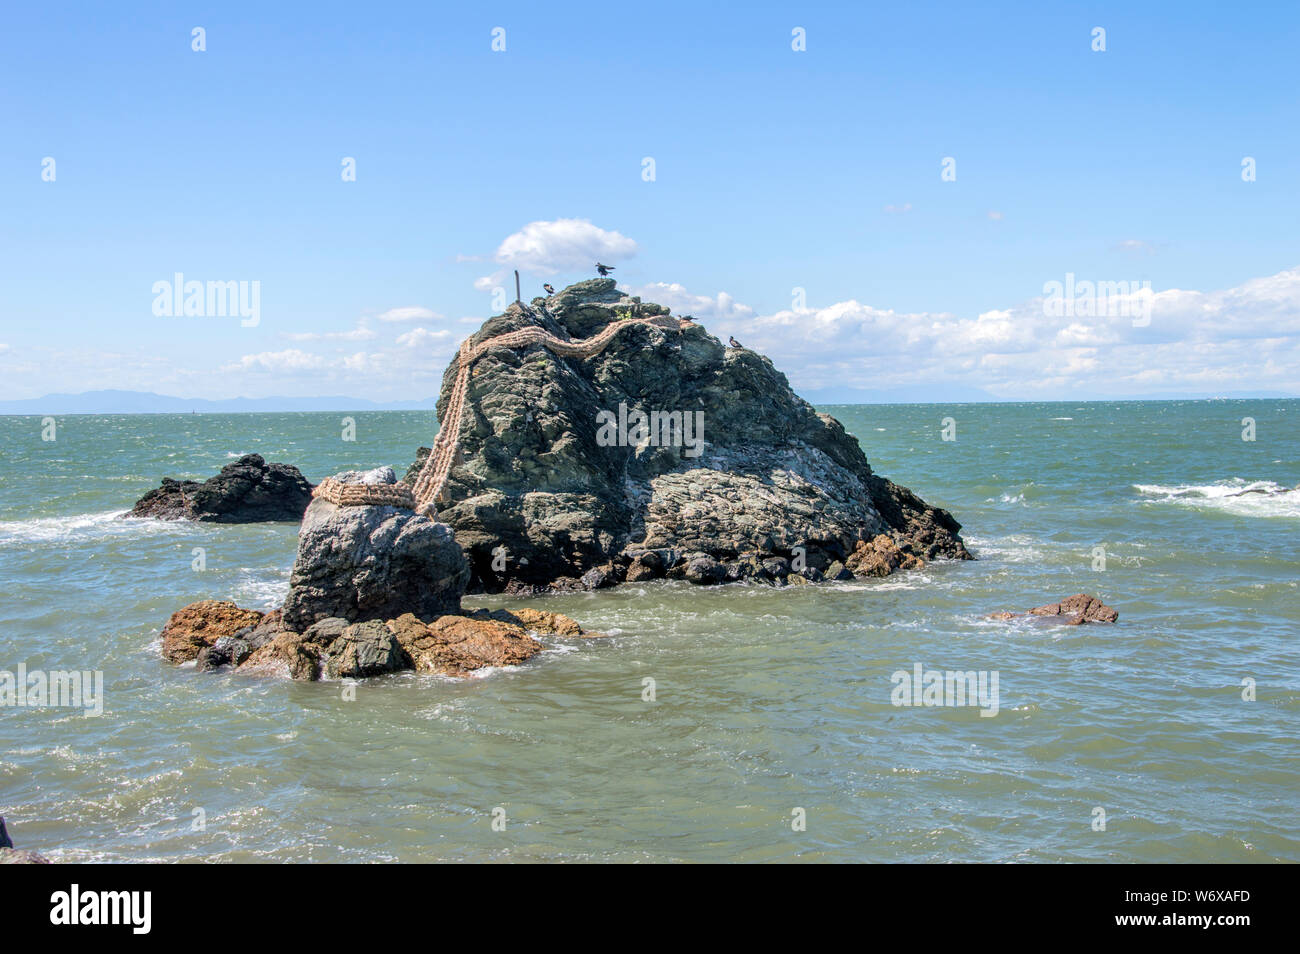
(145, 402)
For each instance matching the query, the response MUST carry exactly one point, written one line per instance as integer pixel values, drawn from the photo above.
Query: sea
(739, 723)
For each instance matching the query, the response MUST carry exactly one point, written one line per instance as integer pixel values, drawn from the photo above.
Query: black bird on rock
(734, 343)
(549, 289)
(5, 840)
(604, 269)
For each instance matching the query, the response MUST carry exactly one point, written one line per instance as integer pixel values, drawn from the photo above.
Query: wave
(1259, 498)
(83, 527)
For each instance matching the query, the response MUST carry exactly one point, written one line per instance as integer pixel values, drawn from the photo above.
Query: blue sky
(775, 170)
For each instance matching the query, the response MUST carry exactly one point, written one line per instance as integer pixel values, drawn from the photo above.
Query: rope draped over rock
(433, 476)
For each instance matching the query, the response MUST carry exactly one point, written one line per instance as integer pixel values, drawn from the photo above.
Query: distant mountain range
(144, 402)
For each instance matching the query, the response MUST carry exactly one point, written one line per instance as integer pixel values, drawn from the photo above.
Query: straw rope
(433, 475)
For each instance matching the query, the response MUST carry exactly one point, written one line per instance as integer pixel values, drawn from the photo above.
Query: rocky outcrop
(731, 471)
(372, 563)
(9, 855)
(199, 626)
(1072, 611)
(247, 491)
(334, 648)
(1080, 608)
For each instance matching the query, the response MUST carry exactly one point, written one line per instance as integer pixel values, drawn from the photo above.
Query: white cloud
(899, 209)
(563, 245)
(682, 302)
(422, 338)
(1243, 338)
(409, 313)
(290, 360)
(359, 333)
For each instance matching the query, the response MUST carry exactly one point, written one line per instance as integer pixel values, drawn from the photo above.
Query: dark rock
(837, 571)
(598, 577)
(365, 649)
(246, 491)
(9, 855)
(226, 651)
(538, 477)
(373, 563)
(703, 570)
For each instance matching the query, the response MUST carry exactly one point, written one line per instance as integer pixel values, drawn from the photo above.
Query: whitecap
(83, 527)
(1259, 498)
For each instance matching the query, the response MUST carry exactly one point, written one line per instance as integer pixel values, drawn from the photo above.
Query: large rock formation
(372, 563)
(248, 491)
(736, 477)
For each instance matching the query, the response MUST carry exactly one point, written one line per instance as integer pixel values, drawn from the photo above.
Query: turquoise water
(766, 701)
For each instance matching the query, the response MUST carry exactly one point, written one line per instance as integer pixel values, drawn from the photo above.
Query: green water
(766, 701)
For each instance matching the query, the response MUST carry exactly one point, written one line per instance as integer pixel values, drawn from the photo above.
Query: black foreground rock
(247, 491)
(733, 477)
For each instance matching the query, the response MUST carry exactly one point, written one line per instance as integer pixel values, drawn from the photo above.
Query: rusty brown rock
(288, 655)
(458, 645)
(1080, 608)
(198, 625)
(880, 556)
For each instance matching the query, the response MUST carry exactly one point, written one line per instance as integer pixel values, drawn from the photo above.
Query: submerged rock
(372, 563)
(1080, 608)
(246, 491)
(733, 468)
(1073, 611)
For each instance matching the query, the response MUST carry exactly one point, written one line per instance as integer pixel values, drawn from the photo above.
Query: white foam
(85, 527)
(1259, 498)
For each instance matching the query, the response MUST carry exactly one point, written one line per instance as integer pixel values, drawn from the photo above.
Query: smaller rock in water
(1073, 611)
(194, 628)
(247, 491)
(1080, 608)
(372, 563)
(9, 855)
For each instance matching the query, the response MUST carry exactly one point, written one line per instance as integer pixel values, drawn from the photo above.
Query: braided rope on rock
(437, 467)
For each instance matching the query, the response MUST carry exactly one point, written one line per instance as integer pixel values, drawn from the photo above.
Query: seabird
(734, 343)
(604, 269)
(549, 289)
(5, 840)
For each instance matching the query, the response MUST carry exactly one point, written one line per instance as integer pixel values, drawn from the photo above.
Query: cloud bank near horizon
(1240, 339)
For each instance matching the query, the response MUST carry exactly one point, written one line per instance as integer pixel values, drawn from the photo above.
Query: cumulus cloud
(1243, 338)
(544, 248)
(409, 313)
(683, 302)
(422, 338)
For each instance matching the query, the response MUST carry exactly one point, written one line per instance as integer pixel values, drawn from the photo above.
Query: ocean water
(770, 706)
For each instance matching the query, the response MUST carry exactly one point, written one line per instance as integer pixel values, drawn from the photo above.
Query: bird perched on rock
(549, 289)
(733, 342)
(5, 840)
(604, 269)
